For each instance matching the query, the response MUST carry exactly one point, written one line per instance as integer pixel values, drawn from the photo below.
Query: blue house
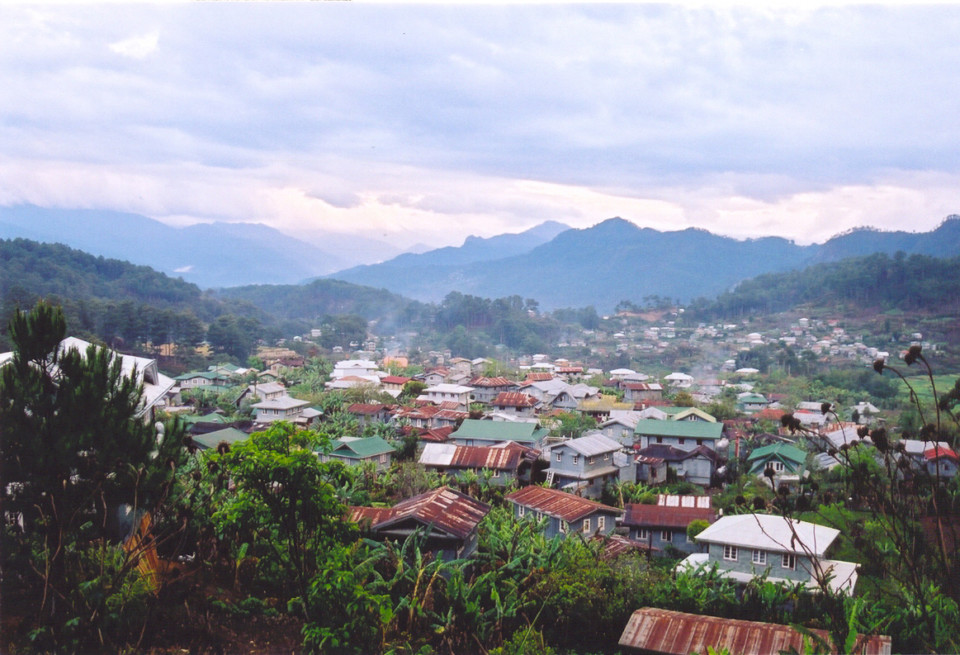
(787, 550)
(568, 514)
(587, 464)
(663, 527)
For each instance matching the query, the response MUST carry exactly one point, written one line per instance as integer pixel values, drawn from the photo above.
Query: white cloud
(137, 47)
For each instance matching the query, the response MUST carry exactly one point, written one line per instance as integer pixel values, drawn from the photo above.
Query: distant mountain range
(616, 260)
(558, 266)
(207, 254)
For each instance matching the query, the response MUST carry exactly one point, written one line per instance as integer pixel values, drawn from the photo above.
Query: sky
(427, 123)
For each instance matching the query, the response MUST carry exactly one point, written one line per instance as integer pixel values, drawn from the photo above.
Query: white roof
(919, 446)
(595, 443)
(438, 454)
(626, 417)
(448, 388)
(770, 532)
(155, 384)
(283, 402)
(680, 377)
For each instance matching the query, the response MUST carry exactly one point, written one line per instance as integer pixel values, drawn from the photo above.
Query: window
(682, 441)
(778, 466)
(606, 457)
(521, 510)
(699, 442)
(659, 439)
(586, 526)
(730, 553)
(576, 459)
(760, 557)
(383, 458)
(601, 522)
(643, 534)
(539, 516)
(559, 457)
(564, 527)
(496, 473)
(591, 460)
(788, 561)
(666, 536)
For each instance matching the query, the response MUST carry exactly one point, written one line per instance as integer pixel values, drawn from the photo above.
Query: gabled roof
(663, 516)
(283, 402)
(558, 504)
(783, 451)
(437, 435)
(361, 448)
(680, 429)
(590, 445)
(514, 399)
(678, 633)
(394, 379)
(499, 431)
(507, 458)
(484, 382)
(212, 439)
(368, 409)
(939, 451)
(445, 509)
(770, 532)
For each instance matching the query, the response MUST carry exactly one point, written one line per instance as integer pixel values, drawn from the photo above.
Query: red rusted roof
(437, 435)
(939, 451)
(667, 517)
(444, 508)
(491, 382)
(448, 405)
(641, 386)
(615, 545)
(514, 399)
(481, 457)
(769, 414)
(539, 377)
(367, 408)
(678, 633)
(556, 503)
(394, 379)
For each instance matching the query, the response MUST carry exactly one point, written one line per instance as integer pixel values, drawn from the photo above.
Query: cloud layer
(429, 123)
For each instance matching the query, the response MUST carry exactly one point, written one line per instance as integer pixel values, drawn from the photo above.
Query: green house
(478, 432)
(355, 451)
(781, 457)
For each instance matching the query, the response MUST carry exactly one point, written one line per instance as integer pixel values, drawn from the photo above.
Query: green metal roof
(782, 450)
(685, 429)
(212, 439)
(499, 431)
(361, 448)
(212, 417)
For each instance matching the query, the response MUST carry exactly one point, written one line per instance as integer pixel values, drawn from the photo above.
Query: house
(600, 407)
(687, 414)
(685, 435)
(587, 464)
(515, 404)
(620, 426)
(566, 513)
(393, 384)
(679, 380)
(635, 392)
(507, 462)
(696, 466)
(485, 389)
(354, 451)
(285, 408)
(196, 379)
(651, 470)
(212, 440)
(156, 385)
(478, 432)
(435, 376)
(664, 526)
(261, 391)
(787, 550)
(657, 631)
(934, 457)
(456, 393)
(450, 519)
(782, 457)
(749, 402)
(369, 413)
(362, 368)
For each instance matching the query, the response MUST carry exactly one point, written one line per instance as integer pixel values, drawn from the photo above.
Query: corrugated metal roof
(686, 429)
(662, 516)
(591, 445)
(360, 448)
(678, 633)
(514, 399)
(485, 382)
(499, 431)
(557, 504)
(444, 508)
(770, 532)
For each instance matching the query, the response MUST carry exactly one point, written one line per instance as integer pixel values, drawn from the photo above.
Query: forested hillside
(876, 282)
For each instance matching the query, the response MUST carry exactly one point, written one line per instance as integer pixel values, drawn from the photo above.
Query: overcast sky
(428, 123)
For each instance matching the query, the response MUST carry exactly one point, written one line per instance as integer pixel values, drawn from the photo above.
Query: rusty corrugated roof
(491, 382)
(667, 517)
(514, 399)
(678, 633)
(479, 457)
(444, 508)
(556, 503)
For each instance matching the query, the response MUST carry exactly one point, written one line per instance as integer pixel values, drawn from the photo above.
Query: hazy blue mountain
(617, 260)
(209, 255)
